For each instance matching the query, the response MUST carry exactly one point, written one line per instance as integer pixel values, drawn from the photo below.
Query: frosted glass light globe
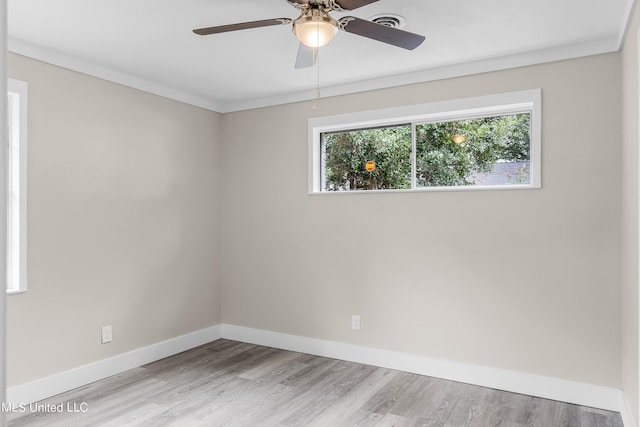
(315, 28)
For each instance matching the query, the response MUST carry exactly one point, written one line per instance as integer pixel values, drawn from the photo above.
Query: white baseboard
(68, 380)
(627, 417)
(534, 385)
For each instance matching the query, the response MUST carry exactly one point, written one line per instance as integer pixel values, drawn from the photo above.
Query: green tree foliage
(439, 160)
(442, 162)
(347, 153)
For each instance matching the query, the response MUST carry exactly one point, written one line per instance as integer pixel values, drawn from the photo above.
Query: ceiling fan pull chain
(314, 105)
(317, 64)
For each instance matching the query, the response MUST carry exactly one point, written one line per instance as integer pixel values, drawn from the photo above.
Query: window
(475, 143)
(17, 187)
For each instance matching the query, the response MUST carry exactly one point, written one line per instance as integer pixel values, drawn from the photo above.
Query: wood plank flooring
(229, 383)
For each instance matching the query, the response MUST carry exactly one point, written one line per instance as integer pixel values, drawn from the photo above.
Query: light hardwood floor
(228, 383)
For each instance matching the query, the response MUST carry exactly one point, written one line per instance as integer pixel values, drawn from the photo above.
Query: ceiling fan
(315, 27)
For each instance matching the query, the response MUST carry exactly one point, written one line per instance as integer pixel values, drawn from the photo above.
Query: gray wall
(122, 220)
(630, 332)
(126, 204)
(521, 280)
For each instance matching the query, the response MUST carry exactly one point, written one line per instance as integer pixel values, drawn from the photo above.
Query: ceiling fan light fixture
(315, 28)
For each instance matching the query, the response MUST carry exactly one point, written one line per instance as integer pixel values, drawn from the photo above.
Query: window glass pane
(480, 151)
(367, 159)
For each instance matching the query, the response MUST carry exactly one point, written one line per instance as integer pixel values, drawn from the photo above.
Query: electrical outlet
(107, 334)
(355, 322)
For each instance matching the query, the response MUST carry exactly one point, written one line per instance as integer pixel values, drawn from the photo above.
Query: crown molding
(626, 22)
(594, 47)
(73, 63)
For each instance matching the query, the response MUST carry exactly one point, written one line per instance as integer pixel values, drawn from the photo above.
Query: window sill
(437, 189)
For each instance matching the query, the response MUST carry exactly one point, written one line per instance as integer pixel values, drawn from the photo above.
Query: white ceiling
(149, 44)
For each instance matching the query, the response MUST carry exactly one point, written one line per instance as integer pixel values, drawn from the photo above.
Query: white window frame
(526, 101)
(17, 187)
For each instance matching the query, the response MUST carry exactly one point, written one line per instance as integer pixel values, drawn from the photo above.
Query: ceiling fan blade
(242, 26)
(382, 33)
(353, 4)
(306, 56)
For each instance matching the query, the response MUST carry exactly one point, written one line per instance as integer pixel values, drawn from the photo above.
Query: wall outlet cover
(107, 334)
(355, 322)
